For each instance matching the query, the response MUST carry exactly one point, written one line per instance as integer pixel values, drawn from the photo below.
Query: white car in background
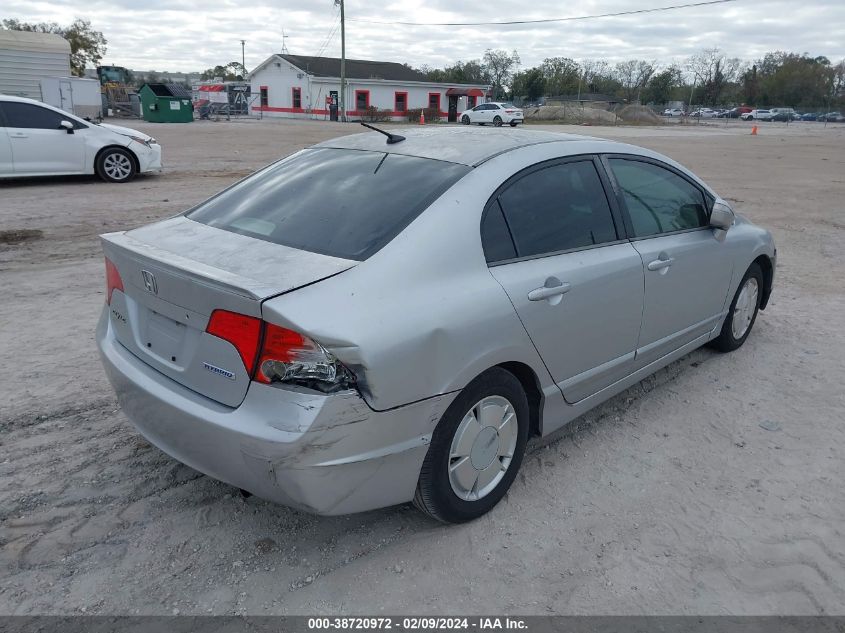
(39, 140)
(495, 112)
(758, 115)
(673, 112)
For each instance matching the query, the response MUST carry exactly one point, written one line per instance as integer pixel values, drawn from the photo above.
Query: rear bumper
(327, 454)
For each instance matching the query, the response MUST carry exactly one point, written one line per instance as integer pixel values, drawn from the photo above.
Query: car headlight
(143, 140)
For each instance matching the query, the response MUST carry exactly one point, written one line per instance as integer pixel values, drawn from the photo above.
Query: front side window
(558, 208)
(28, 115)
(344, 203)
(658, 200)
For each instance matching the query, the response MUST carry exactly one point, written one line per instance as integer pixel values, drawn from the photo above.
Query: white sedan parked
(758, 115)
(494, 112)
(39, 140)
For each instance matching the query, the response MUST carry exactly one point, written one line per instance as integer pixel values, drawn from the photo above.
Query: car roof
(22, 99)
(464, 145)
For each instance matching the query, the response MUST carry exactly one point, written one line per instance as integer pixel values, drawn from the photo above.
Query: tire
(751, 118)
(497, 121)
(731, 338)
(465, 120)
(513, 123)
(116, 164)
(451, 464)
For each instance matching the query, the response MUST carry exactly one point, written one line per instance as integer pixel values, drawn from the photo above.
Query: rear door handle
(553, 288)
(18, 135)
(660, 264)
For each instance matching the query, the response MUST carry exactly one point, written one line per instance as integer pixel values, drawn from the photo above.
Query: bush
(374, 115)
(432, 115)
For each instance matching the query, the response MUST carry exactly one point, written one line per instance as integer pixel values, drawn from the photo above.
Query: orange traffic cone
(422, 117)
(754, 131)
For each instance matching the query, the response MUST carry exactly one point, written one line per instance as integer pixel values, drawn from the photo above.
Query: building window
(296, 98)
(401, 102)
(434, 101)
(362, 100)
(264, 100)
(471, 101)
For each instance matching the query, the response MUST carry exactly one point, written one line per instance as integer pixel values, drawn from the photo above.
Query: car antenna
(391, 138)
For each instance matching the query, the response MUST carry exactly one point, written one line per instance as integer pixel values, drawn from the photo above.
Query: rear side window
(495, 236)
(658, 200)
(344, 203)
(558, 208)
(27, 115)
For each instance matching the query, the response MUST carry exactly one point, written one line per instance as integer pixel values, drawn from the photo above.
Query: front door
(40, 145)
(687, 272)
(66, 95)
(577, 288)
(453, 108)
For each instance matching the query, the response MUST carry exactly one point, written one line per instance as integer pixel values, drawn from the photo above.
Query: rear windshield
(344, 203)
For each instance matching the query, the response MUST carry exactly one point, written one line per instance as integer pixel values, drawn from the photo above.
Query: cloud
(189, 35)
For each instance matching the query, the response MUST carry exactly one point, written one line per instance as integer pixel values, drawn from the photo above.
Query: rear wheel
(116, 164)
(743, 311)
(497, 121)
(465, 120)
(513, 123)
(476, 449)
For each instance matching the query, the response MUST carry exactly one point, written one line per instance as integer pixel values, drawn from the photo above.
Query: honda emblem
(149, 281)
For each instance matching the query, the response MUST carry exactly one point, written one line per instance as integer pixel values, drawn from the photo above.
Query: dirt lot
(714, 487)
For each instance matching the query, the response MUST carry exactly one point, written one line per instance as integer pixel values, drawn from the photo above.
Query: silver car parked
(377, 320)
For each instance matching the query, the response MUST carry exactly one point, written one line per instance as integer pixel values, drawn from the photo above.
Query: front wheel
(476, 449)
(116, 164)
(465, 120)
(497, 121)
(742, 313)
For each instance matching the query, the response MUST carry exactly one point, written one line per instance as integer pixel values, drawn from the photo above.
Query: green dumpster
(166, 103)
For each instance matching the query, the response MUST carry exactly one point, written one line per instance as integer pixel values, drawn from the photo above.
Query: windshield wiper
(391, 138)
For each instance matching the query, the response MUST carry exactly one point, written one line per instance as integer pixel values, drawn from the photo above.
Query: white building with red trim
(306, 87)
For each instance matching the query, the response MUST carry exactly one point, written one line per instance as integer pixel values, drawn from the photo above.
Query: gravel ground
(713, 487)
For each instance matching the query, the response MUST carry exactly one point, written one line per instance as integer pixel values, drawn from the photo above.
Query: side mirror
(66, 125)
(722, 216)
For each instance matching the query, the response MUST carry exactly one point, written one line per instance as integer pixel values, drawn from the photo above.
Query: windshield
(344, 203)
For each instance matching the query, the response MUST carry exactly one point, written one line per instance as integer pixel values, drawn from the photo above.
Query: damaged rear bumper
(324, 453)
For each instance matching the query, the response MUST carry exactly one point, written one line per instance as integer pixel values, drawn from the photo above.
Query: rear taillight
(283, 355)
(113, 280)
(288, 356)
(242, 331)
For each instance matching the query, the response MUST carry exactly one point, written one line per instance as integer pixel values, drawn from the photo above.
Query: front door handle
(660, 264)
(18, 135)
(553, 287)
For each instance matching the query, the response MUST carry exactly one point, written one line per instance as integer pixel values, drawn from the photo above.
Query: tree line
(708, 78)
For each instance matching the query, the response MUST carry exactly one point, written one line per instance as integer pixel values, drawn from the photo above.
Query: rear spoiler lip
(197, 271)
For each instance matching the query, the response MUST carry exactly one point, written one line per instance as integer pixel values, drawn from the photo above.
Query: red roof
(213, 87)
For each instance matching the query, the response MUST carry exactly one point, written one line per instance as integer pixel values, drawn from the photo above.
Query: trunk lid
(176, 272)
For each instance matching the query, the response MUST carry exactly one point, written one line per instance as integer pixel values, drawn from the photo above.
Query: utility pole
(342, 62)
(243, 56)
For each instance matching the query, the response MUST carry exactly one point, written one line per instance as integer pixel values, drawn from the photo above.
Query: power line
(546, 20)
(330, 35)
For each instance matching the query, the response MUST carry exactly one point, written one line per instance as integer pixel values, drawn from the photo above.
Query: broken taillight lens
(283, 355)
(113, 280)
(288, 356)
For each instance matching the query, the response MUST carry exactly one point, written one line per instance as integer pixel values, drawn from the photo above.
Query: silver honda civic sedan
(382, 318)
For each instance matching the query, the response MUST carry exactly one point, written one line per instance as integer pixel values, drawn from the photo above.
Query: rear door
(551, 241)
(687, 271)
(39, 144)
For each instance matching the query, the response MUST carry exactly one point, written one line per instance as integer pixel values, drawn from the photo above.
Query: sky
(192, 35)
